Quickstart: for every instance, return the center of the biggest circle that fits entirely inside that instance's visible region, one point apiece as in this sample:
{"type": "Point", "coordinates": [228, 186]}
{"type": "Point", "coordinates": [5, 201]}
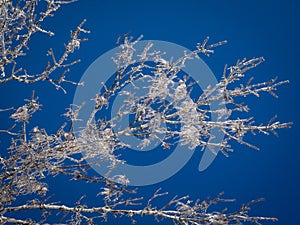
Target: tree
{"type": "Point", "coordinates": [35, 154]}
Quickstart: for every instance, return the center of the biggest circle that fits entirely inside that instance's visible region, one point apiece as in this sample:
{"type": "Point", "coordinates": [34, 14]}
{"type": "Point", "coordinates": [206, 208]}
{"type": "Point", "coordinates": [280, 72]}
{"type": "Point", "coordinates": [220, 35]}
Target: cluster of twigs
{"type": "Point", "coordinates": [34, 154]}
{"type": "Point", "coordinates": [19, 22]}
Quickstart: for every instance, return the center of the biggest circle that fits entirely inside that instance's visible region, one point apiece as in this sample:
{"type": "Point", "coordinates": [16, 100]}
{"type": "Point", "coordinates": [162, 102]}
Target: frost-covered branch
{"type": "Point", "coordinates": [179, 210]}
{"type": "Point", "coordinates": [19, 22]}
{"type": "Point", "coordinates": [168, 101]}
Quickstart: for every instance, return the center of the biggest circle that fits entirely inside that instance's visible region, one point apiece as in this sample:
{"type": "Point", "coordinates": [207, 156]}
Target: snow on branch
{"type": "Point", "coordinates": [19, 22]}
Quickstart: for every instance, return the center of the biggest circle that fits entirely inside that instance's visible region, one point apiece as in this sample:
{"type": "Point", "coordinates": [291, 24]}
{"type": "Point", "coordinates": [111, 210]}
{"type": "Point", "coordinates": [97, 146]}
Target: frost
{"type": "Point", "coordinates": [164, 111]}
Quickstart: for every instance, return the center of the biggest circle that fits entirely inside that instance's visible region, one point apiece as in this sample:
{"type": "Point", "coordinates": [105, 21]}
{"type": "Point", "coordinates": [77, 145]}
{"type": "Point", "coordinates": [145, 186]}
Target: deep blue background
{"type": "Point", "coordinates": [253, 28]}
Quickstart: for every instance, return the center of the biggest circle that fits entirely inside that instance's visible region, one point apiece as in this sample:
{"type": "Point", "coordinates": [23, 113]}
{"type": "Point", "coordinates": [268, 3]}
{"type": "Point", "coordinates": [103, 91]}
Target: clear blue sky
{"type": "Point", "coordinates": [252, 28]}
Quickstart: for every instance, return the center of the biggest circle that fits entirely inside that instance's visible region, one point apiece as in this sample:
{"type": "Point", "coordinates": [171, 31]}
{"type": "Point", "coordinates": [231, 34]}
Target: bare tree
{"type": "Point", "coordinates": [35, 154]}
